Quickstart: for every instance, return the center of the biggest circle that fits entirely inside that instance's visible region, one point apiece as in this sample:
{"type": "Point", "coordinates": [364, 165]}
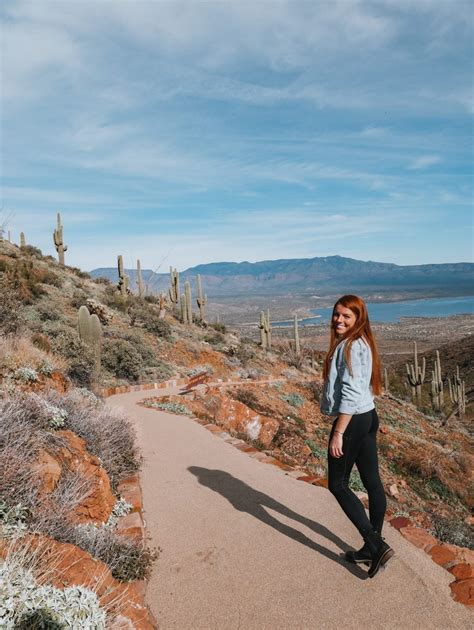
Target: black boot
{"type": "Point", "coordinates": [362, 556]}
{"type": "Point", "coordinates": [379, 550]}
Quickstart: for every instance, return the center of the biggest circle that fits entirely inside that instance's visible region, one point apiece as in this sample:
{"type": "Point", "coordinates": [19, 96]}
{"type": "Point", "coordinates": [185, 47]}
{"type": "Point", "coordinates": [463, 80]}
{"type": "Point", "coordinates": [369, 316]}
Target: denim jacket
{"type": "Point", "coordinates": [344, 392]}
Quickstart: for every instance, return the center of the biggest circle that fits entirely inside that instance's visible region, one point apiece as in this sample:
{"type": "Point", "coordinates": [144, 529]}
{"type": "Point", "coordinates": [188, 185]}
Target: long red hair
{"type": "Point", "coordinates": [360, 329]}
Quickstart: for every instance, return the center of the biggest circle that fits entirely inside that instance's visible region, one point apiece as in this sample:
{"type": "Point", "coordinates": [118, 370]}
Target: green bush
{"type": "Point", "coordinates": [122, 359]}
{"type": "Point", "coordinates": [157, 326]}
{"type": "Point", "coordinates": [219, 327]}
{"type": "Point", "coordinates": [452, 531]}
{"type": "Point", "coordinates": [293, 399]}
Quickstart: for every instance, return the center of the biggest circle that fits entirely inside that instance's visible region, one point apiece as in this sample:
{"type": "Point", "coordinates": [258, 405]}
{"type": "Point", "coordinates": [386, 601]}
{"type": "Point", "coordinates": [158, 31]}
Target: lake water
{"type": "Point", "coordinates": [392, 311]}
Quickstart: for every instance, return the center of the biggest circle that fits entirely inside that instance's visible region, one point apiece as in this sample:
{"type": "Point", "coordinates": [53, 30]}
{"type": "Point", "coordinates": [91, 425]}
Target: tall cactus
{"type": "Point", "coordinates": [163, 302]}
{"type": "Point", "coordinates": [58, 240]}
{"type": "Point", "coordinates": [386, 382]}
{"type": "Point", "coordinates": [437, 393]}
{"type": "Point", "coordinates": [184, 310]}
{"type": "Point", "coordinates": [122, 278]}
{"type": "Point", "coordinates": [457, 392]}
{"type": "Point", "coordinates": [22, 239]}
{"type": "Point", "coordinates": [141, 287]}
{"type": "Point", "coordinates": [201, 299]}
{"type": "Point", "coordinates": [264, 331]}
{"type": "Point", "coordinates": [416, 376]}
{"type": "Point", "coordinates": [90, 332]}
{"type": "Point", "coordinates": [297, 336]}
{"type": "Point", "coordinates": [174, 288]}
{"type": "Point", "coordinates": [189, 302]}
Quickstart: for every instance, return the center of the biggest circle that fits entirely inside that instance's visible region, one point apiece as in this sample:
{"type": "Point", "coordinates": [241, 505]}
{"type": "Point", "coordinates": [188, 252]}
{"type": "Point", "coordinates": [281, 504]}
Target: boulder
{"type": "Point", "coordinates": [99, 502]}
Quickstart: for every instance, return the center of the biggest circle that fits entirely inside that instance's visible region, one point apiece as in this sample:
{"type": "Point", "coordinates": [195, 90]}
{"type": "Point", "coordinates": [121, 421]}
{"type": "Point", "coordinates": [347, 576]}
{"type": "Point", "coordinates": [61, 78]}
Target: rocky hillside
{"type": "Point", "coordinates": [66, 335]}
{"type": "Point", "coordinates": [321, 276]}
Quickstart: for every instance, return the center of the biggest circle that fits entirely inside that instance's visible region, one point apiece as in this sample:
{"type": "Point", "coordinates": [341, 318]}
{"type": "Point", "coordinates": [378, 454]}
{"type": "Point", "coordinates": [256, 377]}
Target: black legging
{"type": "Point", "coordinates": [359, 446]}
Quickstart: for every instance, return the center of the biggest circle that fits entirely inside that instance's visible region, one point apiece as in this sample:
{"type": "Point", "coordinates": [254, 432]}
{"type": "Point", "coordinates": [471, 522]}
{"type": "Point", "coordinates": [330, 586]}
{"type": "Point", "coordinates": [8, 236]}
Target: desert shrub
{"type": "Point", "coordinates": [79, 298]}
{"type": "Point", "coordinates": [292, 357]}
{"type": "Point", "coordinates": [157, 326]}
{"type": "Point", "coordinates": [316, 450]}
{"type": "Point", "coordinates": [80, 356]}
{"type": "Point", "coordinates": [48, 311]}
{"type": "Point", "coordinates": [214, 339]}
{"type": "Point", "coordinates": [122, 359]}
{"type": "Point", "coordinates": [108, 435]}
{"type": "Point", "coordinates": [219, 327]}
{"type": "Point", "coordinates": [78, 272]}
{"type": "Point", "coordinates": [101, 280]}
{"type": "Point", "coordinates": [41, 341]}
{"type": "Point", "coordinates": [170, 406]}
{"type": "Point", "coordinates": [293, 399]}
{"type": "Point", "coordinates": [11, 319]}
{"type": "Point", "coordinates": [128, 559]}
{"type": "Point", "coordinates": [316, 390]}
{"type": "Point", "coordinates": [31, 605]}
{"type": "Point", "coordinates": [114, 299]}
{"type": "Point", "coordinates": [46, 276]}
{"type": "Point", "coordinates": [355, 482]}
{"type": "Point", "coordinates": [245, 352]}
{"type": "Point", "coordinates": [30, 250]}
{"type": "Point", "coordinates": [246, 396]}
{"type": "Point", "coordinates": [452, 531]}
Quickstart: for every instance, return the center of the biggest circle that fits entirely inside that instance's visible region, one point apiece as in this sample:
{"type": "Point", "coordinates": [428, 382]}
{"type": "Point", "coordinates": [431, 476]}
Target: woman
{"type": "Point", "coordinates": [352, 376]}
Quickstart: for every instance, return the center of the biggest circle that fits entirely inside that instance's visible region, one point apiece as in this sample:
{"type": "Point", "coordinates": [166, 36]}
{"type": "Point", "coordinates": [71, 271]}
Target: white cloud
{"type": "Point", "coordinates": [424, 161]}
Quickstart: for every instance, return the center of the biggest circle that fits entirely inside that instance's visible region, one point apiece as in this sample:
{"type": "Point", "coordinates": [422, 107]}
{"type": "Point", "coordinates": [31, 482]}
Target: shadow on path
{"type": "Point", "coordinates": [246, 499]}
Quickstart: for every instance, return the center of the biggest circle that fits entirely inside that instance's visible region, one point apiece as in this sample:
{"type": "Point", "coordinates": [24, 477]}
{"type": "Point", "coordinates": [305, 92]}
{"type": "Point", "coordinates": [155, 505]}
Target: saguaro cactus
{"type": "Point", "coordinates": [174, 289]}
{"type": "Point", "coordinates": [90, 332]}
{"type": "Point", "coordinates": [201, 299]}
{"type": "Point", "coordinates": [189, 302]}
{"type": "Point", "coordinates": [457, 392]}
{"type": "Point", "coordinates": [184, 310]}
{"type": "Point", "coordinates": [141, 288]}
{"type": "Point", "coordinates": [386, 382]}
{"type": "Point", "coordinates": [416, 376]}
{"type": "Point", "coordinates": [122, 278]}
{"type": "Point", "coordinates": [22, 239]}
{"type": "Point", "coordinates": [58, 240]}
{"type": "Point", "coordinates": [437, 393]}
{"type": "Point", "coordinates": [163, 301]}
{"type": "Point", "coordinates": [264, 326]}
{"type": "Point", "coordinates": [297, 336]}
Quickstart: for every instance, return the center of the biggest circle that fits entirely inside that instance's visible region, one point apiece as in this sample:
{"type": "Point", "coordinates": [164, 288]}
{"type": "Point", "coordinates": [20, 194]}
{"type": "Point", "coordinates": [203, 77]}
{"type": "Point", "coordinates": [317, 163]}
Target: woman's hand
{"type": "Point", "coordinates": [335, 445]}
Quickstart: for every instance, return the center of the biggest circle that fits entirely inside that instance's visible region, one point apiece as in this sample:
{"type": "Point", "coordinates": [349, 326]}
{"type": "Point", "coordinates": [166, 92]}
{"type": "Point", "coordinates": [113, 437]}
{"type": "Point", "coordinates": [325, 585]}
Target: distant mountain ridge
{"type": "Point", "coordinates": [321, 276]}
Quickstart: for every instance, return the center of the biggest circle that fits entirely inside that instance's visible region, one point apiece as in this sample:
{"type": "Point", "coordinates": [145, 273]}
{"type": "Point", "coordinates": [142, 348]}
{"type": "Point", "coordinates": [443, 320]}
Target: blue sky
{"type": "Point", "coordinates": [192, 132]}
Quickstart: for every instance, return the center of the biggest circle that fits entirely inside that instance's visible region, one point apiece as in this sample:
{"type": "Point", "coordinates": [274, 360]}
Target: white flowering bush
{"type": "Point", "coordinates": [12, 520]}
{"type": "Point", "coordinates": [26, 374]}
{"type": "Point", "coordinates": [21, 597]}
{"type": "Point", "coordinates": [171, 407]}
{"type": "Point", "coordinates": [200, 369]}
{"type": "Point", "coordinates": [45, 368]}
{"type": "Point", "coordinates": [54, 416]}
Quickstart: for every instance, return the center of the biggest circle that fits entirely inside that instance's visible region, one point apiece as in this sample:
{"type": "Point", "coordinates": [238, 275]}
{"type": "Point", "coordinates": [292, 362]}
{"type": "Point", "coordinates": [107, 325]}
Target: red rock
{"type": "Point", "coordinates": [463, 554]}
{"type": "Point", "coordinates": [400, 521]}
{"type": "Point", "coordinates": [462, 571]}
{"type": "Point", "coordinates": [393, 490]}
{"type": "Point", "coordinates": [100, 500]}
{"type": "Point", "coordinates": [463, 591]}
{"type": "Point", "coordinates": [49, 469]}
{"type": "Point", "coordinates": [132, 495]}
{"type": "Point", "coordinates": [132, 525]}
{"type": "Point", "coordinates": [383, 429]}
{"type": "Point", "coordinates": [442, 555]}
{"type": "Point", "coordinates": [419, 537]}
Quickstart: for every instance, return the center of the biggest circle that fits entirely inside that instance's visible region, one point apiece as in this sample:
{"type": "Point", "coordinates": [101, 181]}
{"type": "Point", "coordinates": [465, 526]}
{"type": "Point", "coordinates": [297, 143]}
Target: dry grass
{"type": "Point", "coordinates": [16, 352]}
{"type": "Point", "coordinates": [108, 434]}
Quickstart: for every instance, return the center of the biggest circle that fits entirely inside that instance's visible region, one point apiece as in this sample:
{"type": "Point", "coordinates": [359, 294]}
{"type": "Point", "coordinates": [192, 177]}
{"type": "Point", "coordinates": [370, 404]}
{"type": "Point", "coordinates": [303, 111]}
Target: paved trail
{"type": "Point", "coordinates": [245, 546]}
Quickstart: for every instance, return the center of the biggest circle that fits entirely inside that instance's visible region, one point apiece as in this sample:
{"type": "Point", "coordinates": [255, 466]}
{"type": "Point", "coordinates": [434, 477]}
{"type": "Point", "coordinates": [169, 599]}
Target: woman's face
{"type": "Point", "coordinates": [343, 320]}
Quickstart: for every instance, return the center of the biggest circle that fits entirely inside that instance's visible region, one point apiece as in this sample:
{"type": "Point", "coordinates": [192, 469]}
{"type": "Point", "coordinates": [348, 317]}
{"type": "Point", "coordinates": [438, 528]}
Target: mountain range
{"type": "Point", "coordinates": [311, 276]}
